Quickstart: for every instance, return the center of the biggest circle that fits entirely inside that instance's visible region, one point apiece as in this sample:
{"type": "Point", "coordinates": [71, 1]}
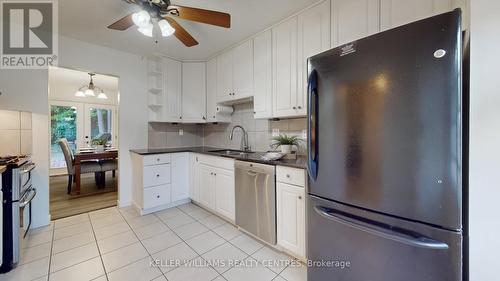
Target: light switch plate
{"type": "Point", "coordinates": [276, 132]}
{"type": "Point", "coordinates": [181, 132]}
{"type": "Point", "coordinates": [304, 134]}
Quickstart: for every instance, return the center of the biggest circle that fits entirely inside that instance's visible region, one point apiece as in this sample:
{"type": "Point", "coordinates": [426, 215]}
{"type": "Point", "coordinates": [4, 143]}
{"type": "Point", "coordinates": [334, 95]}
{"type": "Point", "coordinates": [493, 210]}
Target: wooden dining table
{"type": "Point", "coordinates": [90, 155]}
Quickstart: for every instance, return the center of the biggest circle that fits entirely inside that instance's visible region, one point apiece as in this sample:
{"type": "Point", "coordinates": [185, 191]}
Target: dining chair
{"type": "Point", "coordinates": [86, 167]}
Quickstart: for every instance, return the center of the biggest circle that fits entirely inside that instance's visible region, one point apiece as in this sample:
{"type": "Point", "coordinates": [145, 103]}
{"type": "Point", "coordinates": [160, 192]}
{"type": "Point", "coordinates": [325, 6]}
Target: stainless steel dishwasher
{"type": "Point", "coordinates": [256, 199]}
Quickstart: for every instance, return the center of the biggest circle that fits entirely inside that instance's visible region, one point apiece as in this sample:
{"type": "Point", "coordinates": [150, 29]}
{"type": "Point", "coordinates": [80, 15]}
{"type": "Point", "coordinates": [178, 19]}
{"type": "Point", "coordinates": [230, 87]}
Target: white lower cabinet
{"type": "Point", "coordinates": [206, 188]}
{"type": "Point", "coordinates": [225, 193]}
{"type": "Point", "coordinates": [214, 185]}
{"type": "Point", "coordinates": [160, 181]}
{"type": "Point", "coordinates": [290, 210]}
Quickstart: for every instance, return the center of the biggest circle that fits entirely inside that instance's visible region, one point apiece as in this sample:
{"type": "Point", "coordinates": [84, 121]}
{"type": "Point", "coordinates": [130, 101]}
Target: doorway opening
{"type": "Point", "coordinates": [83, 141]}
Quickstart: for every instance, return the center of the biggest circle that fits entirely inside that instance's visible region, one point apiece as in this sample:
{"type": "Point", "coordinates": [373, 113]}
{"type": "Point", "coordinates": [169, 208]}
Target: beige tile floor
{"type": "Point", "coordinates": [186, 243]}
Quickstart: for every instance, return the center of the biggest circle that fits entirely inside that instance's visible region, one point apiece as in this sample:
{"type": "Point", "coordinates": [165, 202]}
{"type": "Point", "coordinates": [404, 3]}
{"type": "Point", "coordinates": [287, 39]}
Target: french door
{"type": "Point", "coordinates": [80, 123]}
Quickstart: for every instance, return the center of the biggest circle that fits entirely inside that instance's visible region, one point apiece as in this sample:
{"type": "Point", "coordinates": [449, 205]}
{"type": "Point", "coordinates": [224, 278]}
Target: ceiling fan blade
{"type": "Point", "coordinates": [200, 15]}
{"type": "Point", "coordinates": [182, 34]}
{"type": "Point", "coordinates": [122, 24]}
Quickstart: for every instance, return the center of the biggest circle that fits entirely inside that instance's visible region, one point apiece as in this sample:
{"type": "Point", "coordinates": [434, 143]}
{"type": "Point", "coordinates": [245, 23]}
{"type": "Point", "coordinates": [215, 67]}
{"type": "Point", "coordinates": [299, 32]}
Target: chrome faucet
{"type": "Point", "coordinates": [244, 141]}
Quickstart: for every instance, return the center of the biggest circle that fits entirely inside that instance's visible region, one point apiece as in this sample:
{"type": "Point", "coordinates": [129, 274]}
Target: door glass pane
{"type": "Point", "coordinates": [62, 125]}
{"type": "Point", "coordinates": [101, 124]}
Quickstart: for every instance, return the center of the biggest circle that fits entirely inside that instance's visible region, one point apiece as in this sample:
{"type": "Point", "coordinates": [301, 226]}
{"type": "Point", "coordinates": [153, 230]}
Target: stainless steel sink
{"type": "Point", "coordinates": [231, 152]}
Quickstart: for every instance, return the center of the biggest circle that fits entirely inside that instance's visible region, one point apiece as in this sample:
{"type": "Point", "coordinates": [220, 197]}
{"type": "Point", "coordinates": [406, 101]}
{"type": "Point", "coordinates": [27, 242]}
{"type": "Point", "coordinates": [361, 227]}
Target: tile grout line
{"type": "Point", "coordinates": [149, 254]}
{"type": "Point", "coordinates": [98, 249]}
{"type": "Point", "coordinates": [227, 241]}
{"type": "Point", "coordinates": [218, 274]}
{"type": "Point", "coordinates": [51, 248]}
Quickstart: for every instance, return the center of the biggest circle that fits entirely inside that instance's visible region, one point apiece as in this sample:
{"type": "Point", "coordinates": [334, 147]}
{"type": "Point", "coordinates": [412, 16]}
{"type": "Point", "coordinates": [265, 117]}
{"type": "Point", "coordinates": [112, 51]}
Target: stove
{"type": "Point", "coordinates": [13, 161]}
{"type": "Point", "coordinates": [18, 193]}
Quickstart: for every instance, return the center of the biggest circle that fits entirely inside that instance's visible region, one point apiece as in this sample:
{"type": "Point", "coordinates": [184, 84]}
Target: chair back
{"type": "Point", "coordinates": [68, 154]}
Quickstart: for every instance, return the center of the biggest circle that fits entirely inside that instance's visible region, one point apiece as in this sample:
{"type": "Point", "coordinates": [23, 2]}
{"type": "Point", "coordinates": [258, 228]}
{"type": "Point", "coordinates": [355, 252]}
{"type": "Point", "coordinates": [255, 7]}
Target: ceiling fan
{"type": "Point", "coordinates": [164, 13]}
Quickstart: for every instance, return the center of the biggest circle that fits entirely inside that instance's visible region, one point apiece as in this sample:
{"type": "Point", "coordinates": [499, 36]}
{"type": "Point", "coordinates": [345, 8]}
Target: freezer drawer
{"type": "Point", "coordinates": [370, 246]}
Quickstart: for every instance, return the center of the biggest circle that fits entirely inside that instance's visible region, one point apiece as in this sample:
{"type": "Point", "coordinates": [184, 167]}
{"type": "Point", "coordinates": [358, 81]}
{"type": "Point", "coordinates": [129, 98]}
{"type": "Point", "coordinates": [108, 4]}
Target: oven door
{"type": "Point", "coordinates": [25, 178]}
{"type": "Point", "coordinates": [24, 202]}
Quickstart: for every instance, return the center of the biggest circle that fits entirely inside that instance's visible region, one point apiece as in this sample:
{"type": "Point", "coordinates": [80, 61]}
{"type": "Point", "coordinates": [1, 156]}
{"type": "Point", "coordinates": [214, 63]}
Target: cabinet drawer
{"type": "Point", "coordinates": [156, 159]}
{"type": "Point", "coordinates": [291, 175]}
{"type": "Point", "coordinates": [156, 175]}
{"type": "Point", "coordinates": [214, 161]}
{"type": "Point", "coordinates": [156, 196]}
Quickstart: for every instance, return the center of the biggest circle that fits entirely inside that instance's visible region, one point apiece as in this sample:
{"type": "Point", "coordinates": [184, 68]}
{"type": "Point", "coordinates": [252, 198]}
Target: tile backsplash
{"type": "Point", "coordinates": [15, 133]}
{"type": "Point", "coordinates": [217, 135]}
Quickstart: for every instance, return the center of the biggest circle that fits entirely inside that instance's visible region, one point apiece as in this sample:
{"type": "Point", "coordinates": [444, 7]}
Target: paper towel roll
{"type": "Point", "coordinates": [221, 109]}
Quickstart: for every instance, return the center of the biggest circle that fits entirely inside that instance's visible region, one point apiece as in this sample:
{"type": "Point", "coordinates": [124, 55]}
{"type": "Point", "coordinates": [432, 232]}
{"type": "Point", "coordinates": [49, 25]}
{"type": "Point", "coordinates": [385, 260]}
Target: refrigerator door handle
{"type": "Point", "coordinates": [385, 232]}
{"type": "Point", "coordinates": [312, 133]}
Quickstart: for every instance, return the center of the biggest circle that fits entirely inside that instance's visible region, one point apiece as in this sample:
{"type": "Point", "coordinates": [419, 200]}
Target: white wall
{"type": "Point", "coordinates": [484, 194]}
{"type": "Point", "coordinates": [28, 90]}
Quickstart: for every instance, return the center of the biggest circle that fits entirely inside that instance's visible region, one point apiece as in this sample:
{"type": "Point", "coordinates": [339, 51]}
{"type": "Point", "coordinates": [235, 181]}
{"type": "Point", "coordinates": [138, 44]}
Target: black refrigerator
{"type": "Point", "coordinates": [385, 156]}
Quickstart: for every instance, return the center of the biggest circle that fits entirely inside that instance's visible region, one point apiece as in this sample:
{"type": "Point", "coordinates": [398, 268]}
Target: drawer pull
{"type": "Point", "coordinates": [158, 196]}
{"type": "Point", "coordinates": [157, 159]}
{"type": "Point", "coordinates": [157, 176]}
{"type": "Point", "coordinates": [288, 176]}
{"type": "Point", "coordinates": [300, 197]}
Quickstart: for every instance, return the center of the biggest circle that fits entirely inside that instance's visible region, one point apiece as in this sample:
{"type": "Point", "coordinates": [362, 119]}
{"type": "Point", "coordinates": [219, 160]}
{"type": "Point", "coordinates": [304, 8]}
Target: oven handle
{"type": "Point", "coordinates": [28, 169]}
{"type": "Point", "coordinates": [25, 202]}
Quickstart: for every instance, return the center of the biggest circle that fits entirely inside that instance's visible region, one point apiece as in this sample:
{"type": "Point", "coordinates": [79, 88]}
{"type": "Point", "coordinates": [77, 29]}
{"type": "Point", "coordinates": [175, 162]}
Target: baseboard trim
{"type": "Point", "coordinates": [161, 207]}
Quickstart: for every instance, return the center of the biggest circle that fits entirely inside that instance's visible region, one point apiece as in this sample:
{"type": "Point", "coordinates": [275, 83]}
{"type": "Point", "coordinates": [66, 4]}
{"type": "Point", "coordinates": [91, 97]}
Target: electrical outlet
{"type": "Point", "coordinates": [304, 134]}
{"type": "Point", "coordinates": [276, 132]}
{"type": "Point", "coordinates": [181, 132]}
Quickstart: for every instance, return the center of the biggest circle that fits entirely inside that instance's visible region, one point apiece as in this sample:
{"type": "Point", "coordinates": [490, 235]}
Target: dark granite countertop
{"type": "Point", "coordinates": [300, 162]}
{"type": "Point", "coordinates": [2, 169]}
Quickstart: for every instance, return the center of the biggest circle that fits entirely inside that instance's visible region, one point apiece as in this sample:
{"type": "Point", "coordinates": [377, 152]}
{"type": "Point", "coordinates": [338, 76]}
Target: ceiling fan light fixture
{"type": "Point", "coordinates": [142, 19]}
{"type": "Point", "coordinates": [147, 30]}
{"type": "Point", "coordinates": [165, 28]}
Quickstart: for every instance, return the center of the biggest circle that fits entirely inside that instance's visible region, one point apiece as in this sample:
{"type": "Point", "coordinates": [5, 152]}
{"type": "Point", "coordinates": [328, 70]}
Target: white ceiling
{"type": "Point", "coordinates": [87, 21]}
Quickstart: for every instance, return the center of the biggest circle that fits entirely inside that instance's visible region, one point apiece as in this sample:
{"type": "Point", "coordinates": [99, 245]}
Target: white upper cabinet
{"type": "Point", "coordinates": [285, 69]}
{"type": "Point", "coordinates": [243, 71]}
{"type": "Point", "coordinates": [225, 76]}
{"type": "Point", "coordinates": [172, 79]}
{"type": "Point", "coordinates": [263, 76]}
{"type": "Point", "coordinates": [194, 92]}
{"type": "Point", "coordinates": [394, 13]}
{"type": "Point", "coordinates": [354, 19]}
{"type": "Point", "coordinates": [212, 115]}
{"type": "Point", "coordinates": [235, 73]}
{"type": "Point", "coordinates": [313, 38]}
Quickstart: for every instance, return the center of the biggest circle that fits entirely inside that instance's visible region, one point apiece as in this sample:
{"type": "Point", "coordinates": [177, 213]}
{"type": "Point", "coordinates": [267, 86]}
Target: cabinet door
{"type": "Point", "coordinates": [243, 71]}
{"type": "Point", "coordinates": [212, 90]}
{"type": "Point", "coordinates": [285, 68]}
{"type": "Point", "coordinates": [206, 188]}
{"type": "Point", "coordinates": [290, 209]}
{"type": "Point", "coordinates": [224, 193]}
{"type": "Point", "coordinates": [194, 192]}
{"type": "Point", "coordinates": [354, 19]}
{"type": "Point", "coordinates": [313, 38]}
{"type": "Point", "coordinates": [180, 176]}
{"type": "Point", "coordinates": [225, 76]}
{"type": "Point", "coordinates": [172, 77]}
{"type": "Point", "coordinates": [263, 76]}
{"type": "Point", "coordinates": [399, 12]}
{"type": "Point", "coordinates": [194, 92]}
